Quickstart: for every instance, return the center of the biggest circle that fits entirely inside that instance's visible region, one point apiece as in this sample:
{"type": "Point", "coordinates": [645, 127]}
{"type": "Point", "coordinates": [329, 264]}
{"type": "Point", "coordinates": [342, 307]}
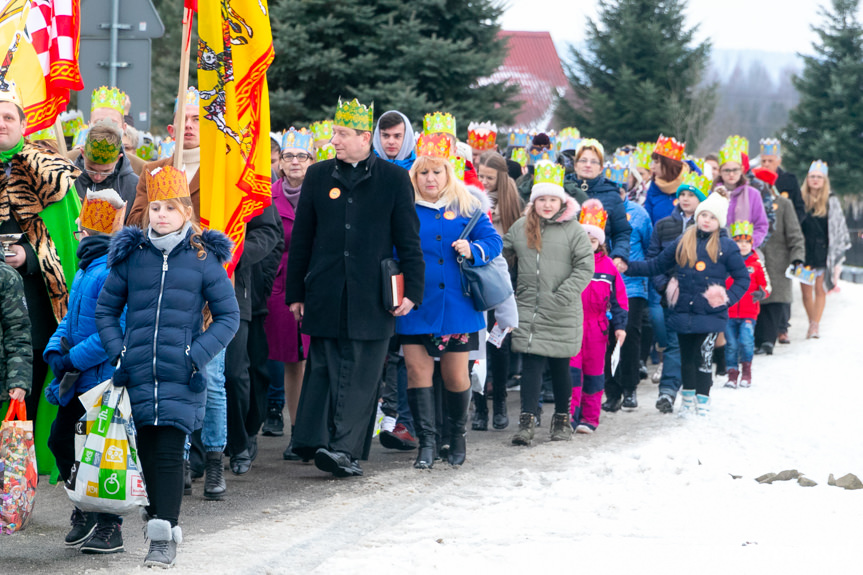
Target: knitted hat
{"type": "Point", "coordinates": [548, 181]}
{"type": "Point", "coordinates": [593, 218]}
{"type": "Point", "coordinates": [716, 204]}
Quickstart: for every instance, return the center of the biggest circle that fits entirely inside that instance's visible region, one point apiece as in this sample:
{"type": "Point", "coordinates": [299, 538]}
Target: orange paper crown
{"type": "Point", "coordinates": [100, 215]}
{"type": "Point", "coordinates": [166, 183]}
{"type": "Point", "coordinates": [670, 148]}
{"type": "Point", "coordinates": [592, 214]}
{"type": "Point", "coordinates": [482, 136]}
{"type": "Point", "coordinates": [437, 145]}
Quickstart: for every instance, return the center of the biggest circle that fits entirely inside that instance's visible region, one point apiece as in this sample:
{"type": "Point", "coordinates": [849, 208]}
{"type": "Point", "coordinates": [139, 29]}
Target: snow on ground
{"type": "Point", "coordinates": [647, 493]}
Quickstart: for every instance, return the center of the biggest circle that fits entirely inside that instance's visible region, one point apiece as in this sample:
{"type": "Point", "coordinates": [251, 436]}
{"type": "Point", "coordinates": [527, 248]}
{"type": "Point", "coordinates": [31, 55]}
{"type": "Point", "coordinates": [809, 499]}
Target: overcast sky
{"type": "Point", "coordinates": [770, 25]}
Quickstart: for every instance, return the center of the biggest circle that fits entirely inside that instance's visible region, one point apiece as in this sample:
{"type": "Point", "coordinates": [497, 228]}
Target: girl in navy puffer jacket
{"type": "Point", "coordinates": [704, 257]}
{"type": "Point", "coordinates": [164, 276]}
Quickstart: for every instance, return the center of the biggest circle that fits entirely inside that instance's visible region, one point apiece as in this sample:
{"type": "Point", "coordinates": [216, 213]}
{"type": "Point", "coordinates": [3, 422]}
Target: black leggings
{"type": "Point", "coordinates": [696, 361]}
{"type": "Point", "coordinates": [160, 449]}
{"type": "Point", "coordinates": [531, 382]}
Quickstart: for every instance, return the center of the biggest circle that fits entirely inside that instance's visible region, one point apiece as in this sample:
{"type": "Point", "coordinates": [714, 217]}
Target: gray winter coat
{"type": "Point", "coordinates": [550, 283]}
{"type": "Point", "coordinates": [785, 245]}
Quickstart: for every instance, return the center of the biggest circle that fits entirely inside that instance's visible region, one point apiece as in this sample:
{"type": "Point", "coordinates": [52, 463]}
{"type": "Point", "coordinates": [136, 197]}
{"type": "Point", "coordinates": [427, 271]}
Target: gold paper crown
{"type": "Point", "coordinates": [437, 145]}
{"type": "Point", "coordinates": [591, 143]}
{"type": "Point", "coordinates": [733, 150]}
{"type": "Point", "coordinates": [519, 155]}
{"type": "Point", "coordinates": [322, 130]}
{"type": "Point", "coordinates": [482, 136]}
{"type": "Point", "coordinates": [166, 183]}
{"type": "Point", "coordinates": [592, 214]}
{"type": "Point", "coordinates": [742, 229]}
{"type": "Point", "coordinates": [670, 148]}
{"type": "Point", "coordinates": [355, 116]}
{"type": "Point", "coordinates": [325, 152]}
{"type": "Point", "coordinates": [105, 97]}
{"type": "Point", "coordinates": [101, 151]}
{"type": "Point", "coordinates": [12, 94]}
{"type": "Point", "coordinates": [458, 166]}
{"type": "Point", "coordinates": [548, 173]}
{"type": "Point", "coordinates": [439, 123]}
{"type": "Point", "coordinates": [100, 215]}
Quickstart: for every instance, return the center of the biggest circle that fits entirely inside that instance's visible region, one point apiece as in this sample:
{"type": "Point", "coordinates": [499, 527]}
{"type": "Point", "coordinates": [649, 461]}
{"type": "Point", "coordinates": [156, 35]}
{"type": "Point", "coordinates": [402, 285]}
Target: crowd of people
{"type": "Point", "coordinates": [606, 260]}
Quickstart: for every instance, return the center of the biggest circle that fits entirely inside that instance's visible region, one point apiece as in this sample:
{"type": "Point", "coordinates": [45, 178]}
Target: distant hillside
{"type": "Point", "coordinates": [725, 61]}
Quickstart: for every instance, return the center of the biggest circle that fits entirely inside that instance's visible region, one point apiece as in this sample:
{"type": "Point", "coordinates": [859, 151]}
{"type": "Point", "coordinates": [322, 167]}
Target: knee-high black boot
{"type": "Point", "coordinates": [457, 403]}
{"type": "Point", "coordinates": [421, 402]}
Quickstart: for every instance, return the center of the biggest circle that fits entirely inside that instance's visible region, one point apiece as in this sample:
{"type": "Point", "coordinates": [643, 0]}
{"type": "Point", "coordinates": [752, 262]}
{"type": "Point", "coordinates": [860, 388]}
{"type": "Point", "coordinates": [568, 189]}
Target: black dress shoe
{"type": "Point", "coordinates": [630, 401]}
{"type": "Point", "coordinates": [241, 463]}
{"type": "Point", "coordinates": [612, 405]}
{"type": "Point", "coordinates": [337, 463]}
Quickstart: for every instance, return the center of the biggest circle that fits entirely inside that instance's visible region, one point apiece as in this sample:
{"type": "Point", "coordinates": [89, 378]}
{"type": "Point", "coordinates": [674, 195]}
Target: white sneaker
{"type": "Point", "coordinates": [657, 375]}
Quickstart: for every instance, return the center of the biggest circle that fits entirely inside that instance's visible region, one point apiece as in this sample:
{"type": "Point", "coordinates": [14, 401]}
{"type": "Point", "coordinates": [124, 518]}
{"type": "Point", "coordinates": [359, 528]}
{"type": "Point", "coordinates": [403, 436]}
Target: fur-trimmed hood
{"type": "Point", "coordinates": [570, 210]}
{"type": "Point", "coordinates": [481, 195]}
{"type": "Point", "coordinates": [130, 237]}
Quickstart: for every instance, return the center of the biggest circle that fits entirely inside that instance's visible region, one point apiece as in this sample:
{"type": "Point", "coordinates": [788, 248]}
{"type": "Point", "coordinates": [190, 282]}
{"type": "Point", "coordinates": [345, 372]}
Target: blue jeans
{"type": "Point", "coordinates": [740, 338]}
{"type": "Point", "coordinates": [214, 434]}
{"type": "Point", "coordinates": [670, 382]}
{"type": "Point", "coordinates": [276, 390]}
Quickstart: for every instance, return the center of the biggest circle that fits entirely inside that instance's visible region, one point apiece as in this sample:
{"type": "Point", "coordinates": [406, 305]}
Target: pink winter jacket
{"type": "Point", "coordinates": [605, 292]}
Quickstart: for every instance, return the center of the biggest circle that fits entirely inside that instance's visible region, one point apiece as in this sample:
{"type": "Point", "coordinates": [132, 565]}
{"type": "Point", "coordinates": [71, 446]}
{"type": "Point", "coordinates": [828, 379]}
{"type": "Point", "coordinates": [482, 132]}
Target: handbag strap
{"type": "Point", "coordinates": [17, 410]}
{"type": "Point", "coordinates": [470, 225]}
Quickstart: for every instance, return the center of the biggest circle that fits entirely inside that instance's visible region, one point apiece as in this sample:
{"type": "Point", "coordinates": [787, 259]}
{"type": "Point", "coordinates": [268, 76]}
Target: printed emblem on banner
{"type": "Point", "coordinates": [335, 193]}
{"type": "Point", "coordinates": [449, 215]}
{"type": "Point", "coordinates": [700, 266]}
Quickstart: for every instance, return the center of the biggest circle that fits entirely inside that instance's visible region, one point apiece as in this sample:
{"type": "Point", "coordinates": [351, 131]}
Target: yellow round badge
{"type": "Point", "coordinates": [775, 206]}
{"type": "Point", "coordinates": [700, 266]}
{"type": "Point", "coordinates": [449, 215]}
{"type": "Point", "coordinates": [784, 194]}
{"type": "Point", "coordinates": [674, 203]}
{"type": "Point", "coordinates": [335, 193]}
{"type": "Point", "coordinates": [628, 217]}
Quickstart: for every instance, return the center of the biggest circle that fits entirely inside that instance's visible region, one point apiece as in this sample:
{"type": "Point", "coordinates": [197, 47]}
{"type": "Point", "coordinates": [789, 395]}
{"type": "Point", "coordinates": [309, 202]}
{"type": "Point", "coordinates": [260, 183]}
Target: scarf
{"type": "Point", "coordinates": [5, 156]}
{"type": "Point", "coordinates": [669, 188]}
{"type": "Point", "coordinates": [741, 205]}
{"type": "Point", "coordinates": [166, 243]}
{"type": "Point", "coordinates": [292, 194]}
{"type": "Point", "coordinates": [407, 149]}
{"type": "Point", "coordinates": [92, 248]}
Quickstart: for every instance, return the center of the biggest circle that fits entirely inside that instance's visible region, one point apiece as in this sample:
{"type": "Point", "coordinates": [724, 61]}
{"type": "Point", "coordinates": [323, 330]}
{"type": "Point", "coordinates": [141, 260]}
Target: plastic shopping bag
{"type": "Point", "coordinates": [106, 477]}
{"type": "Point", "coordinates": [18, 475]}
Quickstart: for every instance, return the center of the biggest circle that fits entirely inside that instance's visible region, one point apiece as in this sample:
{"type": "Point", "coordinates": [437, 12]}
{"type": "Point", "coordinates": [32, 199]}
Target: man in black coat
{"type": "Point", "coordinates": [353, 211]}
{"type": "Point", "coordinates": [786, 182]}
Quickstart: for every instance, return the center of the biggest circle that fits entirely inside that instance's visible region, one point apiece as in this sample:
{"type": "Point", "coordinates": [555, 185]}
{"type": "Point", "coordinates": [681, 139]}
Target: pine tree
{"type": "Point", "coordinates": [827, 124]}
{"type": "Point", "coordinates": [639, 75]}
{"type": "Point", "coordinates": [416, 57]}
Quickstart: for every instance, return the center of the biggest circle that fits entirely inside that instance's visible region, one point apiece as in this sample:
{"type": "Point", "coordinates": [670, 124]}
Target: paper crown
{"type": "Point", "coordinates": [540, 156]}
{"type": "Point", "coordinates": [519, 155]}
{"type": "Point", "coordinates": [46, 134]}
{"type": "Point", "coordinates": [105, 97]}
{"type": "Point", "coordinates": [568, 139]}
{"type": "Point", "coordinates": [733, 150]}
{"type": "Point", "coordinates": [742, 229]}
{"type": "Point", "coordinates": [166, 183]}
{"type": "Point", "coordinates": [641, 157]}
{"type": "Point", "coordinates": [622, 156]}
{"type": "Point", "coordinates": [548, 173]}
{"type": "Point", "coordinates": [590, 143]}
{"type": "Point", "coordinates": [99, 211]}
{"type": "Point", "coordinates": [770, 147]}
{"type": "Point", "coordinates": [738, 142]}
{"type": "Point", "coordinates": [518, 138]}
{"type": "Point", "coordinates": [437, 145]}
{"type": "Point", "coordinates": [166, 147]}
{"type": "Point", "coordinates": [819, 166]}
{"type": "Point", "coordinates": [193, 98]}
{"type": "Point", "coordinates": [439, 123]}
{"type": "Point", "coordinates": [325, 152]}
{"type": "Point", "coordinates": [11, 93]}
{"type": "Point", "coordinates": [697, 184]}
{"type": "Point", "coordinates": [301, 139]}
{"type": "Point", "coordinates": [322, 130]}
{"type": "Point", "coordinates": [101, 151]}
{"type": "Point", "coordinates": [71, 122]}
{"type": "Point", "coordinates": [482, 136]}
{"type": "Point", "coordinates": [80, 137]}
{"type": "Point", "coordinates": [355, 116]}
{"type": "Point", "coordinates": [617, 171]}
{"type": "Point", "coordinates": [458, 166]}
{"type": "Point", "coordinates": [670, 148]}
{"type": "Point", "coordinates": [147, 151]}
{"type": "Point", "coordinates": [699, 162]}
{"type": "Point", "coordinates": [592, 214]}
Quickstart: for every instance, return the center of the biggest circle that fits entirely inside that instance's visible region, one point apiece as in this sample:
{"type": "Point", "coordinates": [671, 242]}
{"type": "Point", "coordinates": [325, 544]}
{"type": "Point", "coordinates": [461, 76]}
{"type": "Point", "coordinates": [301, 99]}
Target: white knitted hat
{"type": "Point", "coordinates": [716, 204]}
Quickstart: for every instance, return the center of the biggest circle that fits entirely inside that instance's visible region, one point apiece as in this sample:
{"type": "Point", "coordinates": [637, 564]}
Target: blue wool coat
{"type": "Point", "coordinates": [617, 228]}
{"type": "Point", "coordinates": [692, 313]}
{"type": "Point", "coordinates": [445, 309]}
{"type": "Point", "coordinates": [163, 345]}
{"type": "Point", "coordinates": [79, 328]}
{"type": "Point", "coordinates": [639, 241]}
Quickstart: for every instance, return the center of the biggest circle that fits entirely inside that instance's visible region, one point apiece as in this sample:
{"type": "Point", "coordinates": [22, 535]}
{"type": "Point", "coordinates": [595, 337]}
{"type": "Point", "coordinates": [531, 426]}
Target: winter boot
{"type": "Point", "coordinates": [733, 374]}
{"type": "Point", "coordinates": [561, 428]}
{"type": "Point", "coordinates": [703, 405]}
{"type": "Point", "coordinates": [421, 401]}
{"type": "Point", "coordinates": [83, 525]}
{"type": "Point", "coordinates": [500, 420]}
{"type": "Point", "coordinates": [163, 543]}
{"type": "Point", "coordinates": [642, 370]}
{"type": "Point", "coordinates": [289, 454]}
{"type": "Point", "coordinates": [746, 374]}
{"type": "Point", "coordinates": [107, 538]}
{"type": "Point", "coordinates": [687, 403]}
{"type": "Point", "coordinates": [187, 478]}
{"type": "Point", "coordinates": [612, 405]}
{"type": "Point", "coordinates": [457, 403]}
{"type": "Point", "coordinates": [526, 425]}
{"type": "Point", "coordinates": [665, 403]}
{"type": "Point", "coordinates": [480, 414]}
{"type": "Point", "coordinates": [274, 426]}
{"type": "Point", "coordinates": [719, 360]}
{"type": "Point", "coordinates": [214, 484]}
{"type": "Point", "coordinates": [630, 402]}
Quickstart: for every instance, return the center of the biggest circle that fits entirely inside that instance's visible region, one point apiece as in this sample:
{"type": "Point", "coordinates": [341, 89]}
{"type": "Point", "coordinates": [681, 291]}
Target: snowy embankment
{"type": "Point", "coordinates": [646, 494]}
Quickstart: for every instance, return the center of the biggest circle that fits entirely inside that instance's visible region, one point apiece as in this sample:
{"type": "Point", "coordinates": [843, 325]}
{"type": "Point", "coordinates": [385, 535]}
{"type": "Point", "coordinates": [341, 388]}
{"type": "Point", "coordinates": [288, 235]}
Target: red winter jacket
{"type": "Point", "coordinates": [746, 308]}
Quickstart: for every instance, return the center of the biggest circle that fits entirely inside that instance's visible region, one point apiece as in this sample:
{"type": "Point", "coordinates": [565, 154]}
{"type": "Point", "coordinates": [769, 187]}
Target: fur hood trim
{"type": "Point", "coordinates": [570, 210]}
{"type": "Point", "coordinates": [130, 237]}
{"type": "Point", "coordinates": [219, 244]}
{"type": "Point", "coordinates": [479, 193]}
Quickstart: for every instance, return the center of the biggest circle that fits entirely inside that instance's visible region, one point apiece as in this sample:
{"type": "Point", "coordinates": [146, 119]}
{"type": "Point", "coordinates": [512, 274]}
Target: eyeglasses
{"type": "Point", "coordinates": [79, 235]}
{"type": "Point", "coordinates": [586, 162]}
{"type": "Point", "coordinates": [98, 173]}
{"type": "Point", "coordinates": [302, 156]}
{"type": "Point", "coordinates": [730, 171]}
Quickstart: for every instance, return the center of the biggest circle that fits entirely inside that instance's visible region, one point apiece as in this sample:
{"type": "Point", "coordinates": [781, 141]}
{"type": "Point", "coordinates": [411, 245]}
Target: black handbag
{"type": "Point", "coordinates": [485, 285]}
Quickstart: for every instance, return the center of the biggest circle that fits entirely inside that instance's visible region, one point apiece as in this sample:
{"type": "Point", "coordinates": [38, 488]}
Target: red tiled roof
{"type": "Point", "coordinates": [533, 63]}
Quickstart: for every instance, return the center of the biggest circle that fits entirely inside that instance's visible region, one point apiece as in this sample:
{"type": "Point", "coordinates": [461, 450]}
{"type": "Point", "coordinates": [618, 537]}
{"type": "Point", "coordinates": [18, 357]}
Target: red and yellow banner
{"type": "Point", "coordinates": [235, 48]}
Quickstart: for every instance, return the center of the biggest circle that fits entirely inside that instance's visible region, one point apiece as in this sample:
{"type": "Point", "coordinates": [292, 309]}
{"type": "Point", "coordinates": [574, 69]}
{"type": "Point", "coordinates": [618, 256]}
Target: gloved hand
{"type": "Point", "coordinates": [54, 359]}
{"type": "Point", "coordinates": [758, 295]}
{"type": "Point", "coordinates": [51, 395]}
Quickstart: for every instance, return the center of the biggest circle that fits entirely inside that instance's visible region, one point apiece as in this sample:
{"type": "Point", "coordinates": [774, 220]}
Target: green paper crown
{"type": "Point", "coordinates": [698, 185]}
{"type": "Point", "coordinates": [101, 151]}
{"type": "Point", "coordinates": [439, 123]}
{"type": "Point", "coordinates": [519, 155]}
{"type": "Point", "coordinates": [733, 150]}
{"type": "Point", "coordinates": [738, 142]}
{"type": "Point", "coordinates": [71, 122]}
{"type": "Point", "coordinates": [105, 97]}
{"type": "Point", "coordinates": [355, 116]}
{"type": "Point", "coordinates": [325, 152]}
{"type": "Point", "coordinates": [322, 130]}
{"type": "Point", "coordinates": [742, 229]}
{"type": "Point", "coordinates": [458, 166]}
{"type": "Point", "coordinates": [548, 173]}
{"type": "Point", "coordinates": [46, 134]}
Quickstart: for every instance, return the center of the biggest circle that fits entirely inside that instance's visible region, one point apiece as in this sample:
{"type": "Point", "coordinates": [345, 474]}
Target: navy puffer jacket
{"type": "Point", "coordinates": [692, 313]}
{"type": "Point", "coordinates": [163, 345]}
{"type": "Point", "coordinates": [617, 228]}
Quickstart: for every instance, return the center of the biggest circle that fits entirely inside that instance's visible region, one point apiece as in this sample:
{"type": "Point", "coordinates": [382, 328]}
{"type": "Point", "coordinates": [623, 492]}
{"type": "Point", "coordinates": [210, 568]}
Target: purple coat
{"type": "Point", "coordinates": [280, 326]}
{"type": "Point", "coordinates": [754, 212]}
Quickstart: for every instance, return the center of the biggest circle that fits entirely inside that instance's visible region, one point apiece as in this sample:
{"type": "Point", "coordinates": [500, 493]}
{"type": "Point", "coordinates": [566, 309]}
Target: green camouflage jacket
{"type": "Point", "coordinates": [16, 354]}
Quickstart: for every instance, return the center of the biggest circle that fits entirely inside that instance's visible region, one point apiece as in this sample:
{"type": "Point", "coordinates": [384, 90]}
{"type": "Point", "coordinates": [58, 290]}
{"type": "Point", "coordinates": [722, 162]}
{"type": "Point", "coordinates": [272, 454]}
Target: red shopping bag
{"type": "Point", "coordinates": [18, 475]}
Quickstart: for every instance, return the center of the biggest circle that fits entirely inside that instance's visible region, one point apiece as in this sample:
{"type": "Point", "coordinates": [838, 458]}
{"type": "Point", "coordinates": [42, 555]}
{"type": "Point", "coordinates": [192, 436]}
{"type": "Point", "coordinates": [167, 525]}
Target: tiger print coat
{"type": "Point", "coordinates": [34, 179]}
